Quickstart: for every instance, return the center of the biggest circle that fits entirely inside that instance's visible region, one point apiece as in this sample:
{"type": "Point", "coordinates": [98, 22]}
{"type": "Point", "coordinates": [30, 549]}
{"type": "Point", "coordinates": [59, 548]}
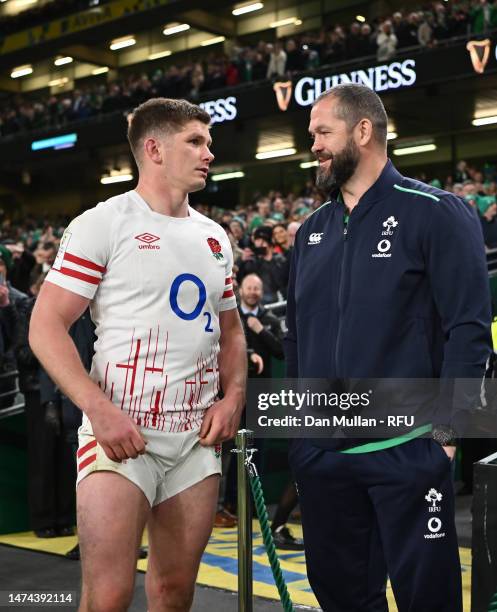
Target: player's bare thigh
{"type": "Point", "coordinates": [178, 532]}
{"type": "Point", "coordinates": [112, 513]}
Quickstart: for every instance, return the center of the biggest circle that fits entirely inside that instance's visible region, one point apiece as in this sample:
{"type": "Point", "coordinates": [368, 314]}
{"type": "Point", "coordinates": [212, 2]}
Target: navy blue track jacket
{"type": "Point", "coordinates": [402, 291]}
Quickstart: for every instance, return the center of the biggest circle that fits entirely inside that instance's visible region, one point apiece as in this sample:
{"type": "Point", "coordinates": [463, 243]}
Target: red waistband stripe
{"type": "Point", "coordinates": [84, 449]}
{"type": "Point", "coordinates": [86, 462]}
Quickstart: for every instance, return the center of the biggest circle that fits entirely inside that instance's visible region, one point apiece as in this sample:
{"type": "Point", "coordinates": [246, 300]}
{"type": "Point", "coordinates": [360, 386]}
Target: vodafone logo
{"type": "Point", "coordinates": [434, 525]}
{"type": "Point", "coordinates": [383, 249]}
{"type": "Point", "coordinates": [148, 239]}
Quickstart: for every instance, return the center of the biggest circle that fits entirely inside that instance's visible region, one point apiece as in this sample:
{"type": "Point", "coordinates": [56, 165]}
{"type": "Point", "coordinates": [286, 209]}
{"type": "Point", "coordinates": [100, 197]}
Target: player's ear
{"type": "Point", "coordinates": [152, 150]}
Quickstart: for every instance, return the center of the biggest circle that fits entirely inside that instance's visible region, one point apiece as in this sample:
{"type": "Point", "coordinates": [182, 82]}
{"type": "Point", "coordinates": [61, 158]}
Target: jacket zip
{"type": "Point", "coordinates": [340, 294]}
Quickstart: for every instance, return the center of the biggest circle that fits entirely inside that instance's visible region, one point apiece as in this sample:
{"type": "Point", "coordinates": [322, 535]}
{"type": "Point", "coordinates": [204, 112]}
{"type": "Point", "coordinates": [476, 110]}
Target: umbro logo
{"type": "Point", "coordinates": [315, 238]}
{"type": "Point", "coordinates": [148, 239]}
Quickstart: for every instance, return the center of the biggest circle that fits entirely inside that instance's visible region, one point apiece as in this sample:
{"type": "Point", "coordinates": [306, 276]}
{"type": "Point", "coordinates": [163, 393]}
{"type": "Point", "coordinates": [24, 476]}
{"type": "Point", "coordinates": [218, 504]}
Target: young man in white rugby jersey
{"type": "Point", "coordinates": [157, 276]}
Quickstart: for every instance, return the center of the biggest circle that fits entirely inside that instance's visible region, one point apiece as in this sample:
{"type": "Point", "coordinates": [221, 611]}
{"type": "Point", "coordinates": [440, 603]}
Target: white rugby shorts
{"type": "Point", "coordinates": [172, 462]}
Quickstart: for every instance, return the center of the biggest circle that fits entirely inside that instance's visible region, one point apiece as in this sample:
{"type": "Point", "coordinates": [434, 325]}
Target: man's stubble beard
{"type": "Point", "coordinates": [342, 168]}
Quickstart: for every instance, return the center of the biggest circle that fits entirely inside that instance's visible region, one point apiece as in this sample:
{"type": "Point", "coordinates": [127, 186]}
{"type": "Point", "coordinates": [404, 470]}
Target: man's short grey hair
{"type": "Point", "coordinates": [356, 102]}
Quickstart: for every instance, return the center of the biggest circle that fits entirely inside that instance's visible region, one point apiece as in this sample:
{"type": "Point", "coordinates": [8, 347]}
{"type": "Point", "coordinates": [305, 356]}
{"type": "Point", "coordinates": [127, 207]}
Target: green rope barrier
{"type": "Point", "coordinates": [267, 536]}
{"type": "Point", "coordinates": [493, 603]}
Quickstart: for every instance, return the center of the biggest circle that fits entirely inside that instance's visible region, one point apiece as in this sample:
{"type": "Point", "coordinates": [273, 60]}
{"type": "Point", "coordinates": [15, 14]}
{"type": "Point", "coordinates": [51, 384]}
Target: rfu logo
{"type": "Point", "coordinates": [315, 238]}
{"type": "Point", "coordinates": [433, 496]}
{"type": "Point", "coordinates": [389, 224]}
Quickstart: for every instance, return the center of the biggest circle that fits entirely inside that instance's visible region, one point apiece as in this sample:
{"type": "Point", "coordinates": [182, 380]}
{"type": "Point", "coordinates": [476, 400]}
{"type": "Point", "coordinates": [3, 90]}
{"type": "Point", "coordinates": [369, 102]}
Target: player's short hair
{"type": "Point", "coordinates": [356, 102]}
{"type": "Point", "coordinates": [161, 115]}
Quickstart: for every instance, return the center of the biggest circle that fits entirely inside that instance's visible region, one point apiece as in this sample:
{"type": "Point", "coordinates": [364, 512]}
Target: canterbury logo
{"type": "Point", "coordinates": [283, 93]}
{"type": "Point", "coordinates": [479, 52]}
{"type": "Point", "coordinates": [148, 240]}
{"type": "Point", "coordinates": [315, 238]}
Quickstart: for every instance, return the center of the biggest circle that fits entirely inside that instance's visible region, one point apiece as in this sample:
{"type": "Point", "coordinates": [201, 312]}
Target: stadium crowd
{"type": "Point", "coordinates": [428, 27]}
{"type": "Point", "coordinates": [274, 217]}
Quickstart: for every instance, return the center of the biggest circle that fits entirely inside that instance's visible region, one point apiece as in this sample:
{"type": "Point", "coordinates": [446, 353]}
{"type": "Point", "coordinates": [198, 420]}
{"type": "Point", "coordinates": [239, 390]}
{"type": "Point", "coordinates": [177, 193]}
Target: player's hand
{"type": "Point", "coordinates": [255, 325]}
{"type": "Point", "coordinates": [450, 451]}
{"type": "Point", "coordinates": [221, 422]}
{"type": "Point", "coordinates": [117, 434]}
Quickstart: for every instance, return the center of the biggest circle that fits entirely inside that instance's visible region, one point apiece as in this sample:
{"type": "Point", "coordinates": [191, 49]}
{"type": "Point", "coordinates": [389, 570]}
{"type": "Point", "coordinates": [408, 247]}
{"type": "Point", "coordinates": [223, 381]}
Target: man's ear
{"type": "Point", "coordinates": [364, 132]}
{"type": "Point", "coordinates": [152, 150]}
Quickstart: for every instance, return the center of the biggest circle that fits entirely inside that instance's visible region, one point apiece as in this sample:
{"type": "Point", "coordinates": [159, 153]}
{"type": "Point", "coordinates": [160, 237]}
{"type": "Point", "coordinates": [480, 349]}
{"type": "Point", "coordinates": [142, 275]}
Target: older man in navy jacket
{"type": "Point", "coordinates": [388, 280]}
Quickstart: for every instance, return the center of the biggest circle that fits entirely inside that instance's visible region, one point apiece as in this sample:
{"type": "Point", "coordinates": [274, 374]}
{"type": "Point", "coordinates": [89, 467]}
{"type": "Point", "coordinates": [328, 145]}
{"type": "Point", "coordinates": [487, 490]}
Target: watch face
{"type": "Point", "coordinates": [445, 436]}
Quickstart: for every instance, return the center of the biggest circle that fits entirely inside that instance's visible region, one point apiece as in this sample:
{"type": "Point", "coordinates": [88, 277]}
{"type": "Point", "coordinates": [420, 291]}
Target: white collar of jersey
{"type": "Point", "coordinates": [143, 204]}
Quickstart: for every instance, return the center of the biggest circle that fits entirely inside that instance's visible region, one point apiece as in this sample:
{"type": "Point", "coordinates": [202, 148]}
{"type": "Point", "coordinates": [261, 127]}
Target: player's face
{"type": "Point", "coordinates": [334, 146]}
{"type": "Point", "coordinates": [188, 157]}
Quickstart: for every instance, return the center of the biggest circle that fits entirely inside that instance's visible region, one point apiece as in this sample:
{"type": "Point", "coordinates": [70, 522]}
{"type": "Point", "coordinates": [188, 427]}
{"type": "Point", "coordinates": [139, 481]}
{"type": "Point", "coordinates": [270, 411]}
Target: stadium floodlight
{"type": "Point", "coordinates": [360, 18]}
{"type": "Point", "coordinates": [212, 41]}
{"type": "Point", "coordinates": [247, 8]}
{"type": "Point", "coordinates": [101, 70]}
{"type": "Point", "coordinates": [116, 176]}
{"type": "Point", "coordinates": [275, 153]}
{"type": "Point", "coordinates": [391, 135]}
{"type": "Point", "coordinates": [484, 120]}
{"type": "Point", "coordinates": [121, 43]}
{"type": "Point", "coordinates": [60, 61]}
{"type": "Point", "coordinates": [284, 22]}
{"type": "Point", "coordinates": [159, 54]}
{"type": "Point", "coordinates": [175, 28]}
{"type": "Point", "coordinates": [421, 148]}
{"type": "Point", "coordinates": [56, 142]}
{"type": "Point", "coordinates": [309, 164]}
{"type": "Point", "coordinates": [226, 176]}
{"type": "Point", "coordinates": [21, 71]}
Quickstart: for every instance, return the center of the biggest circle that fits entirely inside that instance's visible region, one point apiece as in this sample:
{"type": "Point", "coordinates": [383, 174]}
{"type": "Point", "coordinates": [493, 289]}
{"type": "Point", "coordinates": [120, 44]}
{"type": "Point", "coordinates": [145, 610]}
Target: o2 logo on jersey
{"type": "Point", "coordinates": [202, 298]}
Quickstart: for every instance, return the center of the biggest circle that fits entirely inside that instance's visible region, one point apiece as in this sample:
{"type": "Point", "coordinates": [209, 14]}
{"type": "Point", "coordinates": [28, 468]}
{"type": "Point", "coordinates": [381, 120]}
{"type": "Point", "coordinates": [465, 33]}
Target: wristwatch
{"type": "Point", "coordinates": [444, 435]}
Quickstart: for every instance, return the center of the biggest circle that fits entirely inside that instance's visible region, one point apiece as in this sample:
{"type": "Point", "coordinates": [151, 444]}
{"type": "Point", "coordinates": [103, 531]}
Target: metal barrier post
{"type": "Point", "coordinates": [244, 440]}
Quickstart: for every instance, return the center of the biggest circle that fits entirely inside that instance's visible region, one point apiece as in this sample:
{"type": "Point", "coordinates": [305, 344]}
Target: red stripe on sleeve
{"type": "Point", "coordinates": [86, 462]}
{"type": "Point", "coordinates": [228, 294]}
{"type": "Point", "coordinates": [86, 448]}
{"type": "Point", "coordinates": [93, 280]}
{"type": "Point", "coordinates": [86, 263]}
{"type": "Point", "coordinates": [228, 281]}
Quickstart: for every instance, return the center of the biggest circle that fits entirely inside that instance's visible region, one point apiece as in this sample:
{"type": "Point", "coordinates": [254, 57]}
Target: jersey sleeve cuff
{"type": "Point", "coordinates": [70, 284]}
{"type": "Point", "coordinates": [227, 304]}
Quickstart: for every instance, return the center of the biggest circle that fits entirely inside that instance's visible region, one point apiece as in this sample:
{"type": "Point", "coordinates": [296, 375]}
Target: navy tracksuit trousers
{"type": "Point", "coordinates": [368, 515]}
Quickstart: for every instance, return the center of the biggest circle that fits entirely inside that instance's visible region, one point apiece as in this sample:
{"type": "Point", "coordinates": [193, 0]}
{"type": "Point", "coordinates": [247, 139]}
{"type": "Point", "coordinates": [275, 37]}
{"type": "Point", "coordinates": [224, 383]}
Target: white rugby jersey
{"type": "Point", "coordinates": [157, 285]}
